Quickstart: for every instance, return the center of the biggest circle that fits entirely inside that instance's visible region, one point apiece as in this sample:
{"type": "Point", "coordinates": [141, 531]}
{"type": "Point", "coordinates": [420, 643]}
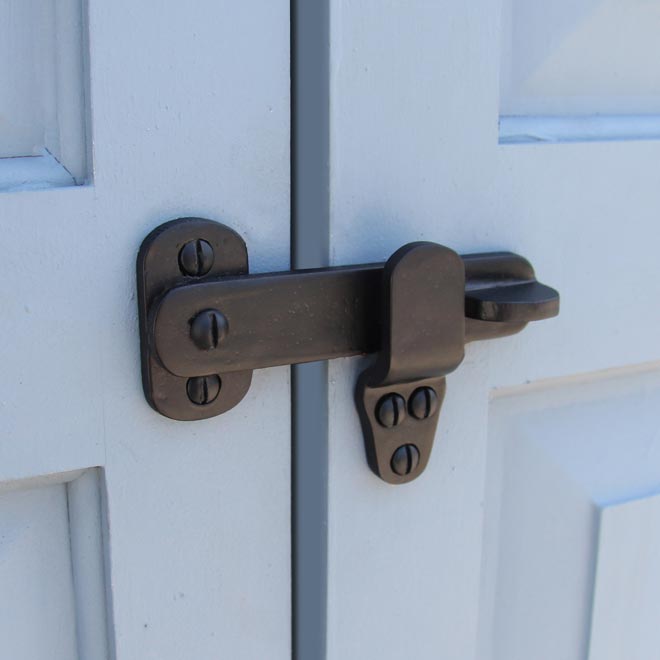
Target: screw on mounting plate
{"type": "Point", "coordinates": [196, 258]}
{"type": "Point", "coordinates": [208, 329]}
{"type": "Point", "coordinates": [203, 389]}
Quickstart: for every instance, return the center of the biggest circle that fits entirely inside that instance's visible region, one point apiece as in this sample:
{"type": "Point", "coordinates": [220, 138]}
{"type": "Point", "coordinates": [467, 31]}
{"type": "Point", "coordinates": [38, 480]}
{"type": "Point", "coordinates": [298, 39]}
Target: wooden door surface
{"type": "Point", "coordinates": [525, 126]}
{"type": "Point", "coordinates": [516, 125]}
{"type": "Point", "coordinates": [122, 533]}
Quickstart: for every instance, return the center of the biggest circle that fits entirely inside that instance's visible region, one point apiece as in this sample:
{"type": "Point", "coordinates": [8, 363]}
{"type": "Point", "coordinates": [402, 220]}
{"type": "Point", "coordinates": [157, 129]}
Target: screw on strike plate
{"type": "Point", "coordinates": [391, 410]}
{"type": "Point", "coordinates": [196, 258]}
{"type": "Point", "coordinates": [405, 460]}
{"type": "Point", "coordinates": [208, 329]}
{"type": "Point", "coordinates": [203, 389]}
{"type": "Point", "coordinates": [423, 403]}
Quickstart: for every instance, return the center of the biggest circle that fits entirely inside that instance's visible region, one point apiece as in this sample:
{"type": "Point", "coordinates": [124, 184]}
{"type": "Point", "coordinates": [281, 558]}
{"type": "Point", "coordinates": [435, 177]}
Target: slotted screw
{"type": "Point", "coordinates": [196, 258]}
{"type": "Point", "coordinates": [203, 390]}
{"type": "Point", "coordinates": [423, 403]}
{"type": "Point", "coordinates": [391, 410]}
{"type": "Point", "coordinates": [208, 329]}
{"type": "Point", "coordinates": [405, 460]}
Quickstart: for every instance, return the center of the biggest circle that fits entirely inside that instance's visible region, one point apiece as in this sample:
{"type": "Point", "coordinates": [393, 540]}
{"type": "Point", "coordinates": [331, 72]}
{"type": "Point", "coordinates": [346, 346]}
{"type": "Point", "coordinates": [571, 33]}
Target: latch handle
{"type": "Point", "coordinates": [502, 289]}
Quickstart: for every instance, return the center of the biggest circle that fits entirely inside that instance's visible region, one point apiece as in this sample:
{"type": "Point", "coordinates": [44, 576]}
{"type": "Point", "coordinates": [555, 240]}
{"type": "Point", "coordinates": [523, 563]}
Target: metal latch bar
{"type": "Point", "coordinates": [206, 324]}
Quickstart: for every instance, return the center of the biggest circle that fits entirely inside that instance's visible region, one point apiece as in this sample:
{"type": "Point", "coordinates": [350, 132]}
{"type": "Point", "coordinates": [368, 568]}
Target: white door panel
{"type": "Point", "coordinates": [570, 517]}
{"type": "Point", "coordinates": [625, 617]}
{"type": "Point", "coordinates": [416, 156]}
{"type": "Point", "coordinates": [189, 109]}
{"type": "Point", "coordinates": [51, 567]}
{"type": "Point", "coordinates": [574, 57]}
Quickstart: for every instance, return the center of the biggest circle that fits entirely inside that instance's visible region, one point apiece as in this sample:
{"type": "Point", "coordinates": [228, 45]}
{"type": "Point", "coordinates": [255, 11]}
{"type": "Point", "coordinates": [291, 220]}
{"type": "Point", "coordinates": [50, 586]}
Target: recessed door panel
{"type": "Point", "coordinates": [570, 510]}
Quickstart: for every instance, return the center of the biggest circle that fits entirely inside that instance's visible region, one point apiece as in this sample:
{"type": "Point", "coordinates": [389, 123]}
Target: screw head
{"type": "Point", "coordinates": [391, 410]}
{"type": "Point", "coordinates": [196, 258]}
{"type": "Point", "coordinates": [203, 390]}
{"type": "Point", "coordinates": [405, 460]}
{"type": "Point", "coordinates": [208, 329]}
{"type": "Point", "coordinates": [423, 403]}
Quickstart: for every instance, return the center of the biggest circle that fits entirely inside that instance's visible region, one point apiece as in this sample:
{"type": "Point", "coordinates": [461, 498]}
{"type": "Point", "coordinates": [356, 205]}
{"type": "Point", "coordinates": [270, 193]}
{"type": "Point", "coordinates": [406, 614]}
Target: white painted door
{"type": "Point", "coordinates": [527, 126]}
{"type": "Point", "coordinates": [122, 533]}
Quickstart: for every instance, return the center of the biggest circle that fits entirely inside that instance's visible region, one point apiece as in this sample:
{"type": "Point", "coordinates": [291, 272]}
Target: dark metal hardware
{"type": "Point", "coordinates": [422, 340]}
{"type": "Point", "coordinates": [205, 325]}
